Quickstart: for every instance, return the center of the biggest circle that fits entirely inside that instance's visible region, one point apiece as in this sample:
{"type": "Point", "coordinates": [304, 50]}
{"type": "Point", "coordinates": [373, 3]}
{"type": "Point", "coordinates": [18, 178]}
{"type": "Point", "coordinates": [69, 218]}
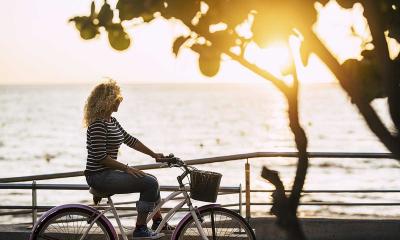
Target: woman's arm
{"type": "Point", "coordinates": [139, 146]}
{"type": "Point", "coordinates": [136, 144]}
{"type": "Point", "coordinates": [113, 164]}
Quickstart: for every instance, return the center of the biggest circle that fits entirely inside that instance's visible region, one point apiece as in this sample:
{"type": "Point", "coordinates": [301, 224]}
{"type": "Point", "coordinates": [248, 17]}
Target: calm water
{"type": "Point", "coordinates": [41, 132]}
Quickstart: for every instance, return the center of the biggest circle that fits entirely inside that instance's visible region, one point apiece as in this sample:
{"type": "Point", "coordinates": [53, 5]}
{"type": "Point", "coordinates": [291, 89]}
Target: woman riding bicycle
{"type": "Point", "coordinates": [103, 172]}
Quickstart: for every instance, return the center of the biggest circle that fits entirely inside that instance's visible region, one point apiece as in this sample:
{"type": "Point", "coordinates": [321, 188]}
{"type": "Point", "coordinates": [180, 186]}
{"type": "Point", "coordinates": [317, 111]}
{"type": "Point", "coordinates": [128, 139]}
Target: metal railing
{"type": "Point", "coordinates": [35, 208]}
{"type": "Point", "coordinates": [5, 182]}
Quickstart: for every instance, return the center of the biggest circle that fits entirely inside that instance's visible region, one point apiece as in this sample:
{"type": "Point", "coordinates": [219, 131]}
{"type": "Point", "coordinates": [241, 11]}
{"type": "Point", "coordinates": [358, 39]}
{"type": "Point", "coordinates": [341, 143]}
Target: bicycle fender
{"type": "Point", "coordinates": [189, 215]}
{"type": "Point", "coordinates": [40, 221]}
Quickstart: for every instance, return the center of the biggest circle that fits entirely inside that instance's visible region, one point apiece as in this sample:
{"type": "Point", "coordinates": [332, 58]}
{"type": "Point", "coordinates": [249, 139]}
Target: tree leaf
{"type": "Point", "coordinates": [223, 40]}
{"type": "Point", "coordinates": [79, 21]}
{"type": "Point", "coordinates": [231, 12]}
{"type": "Point", "coordinates": [197, 48]}
{"type": "Point", "coordinates": [147, 17]}
{"type": "Point", "coordinates": [105, 15]}
{"type": "Point", "coordinates": [89, 32]}
{"type": "Point", "coordinates": [367, 80]}
{"type": "Point", "coordinates": [209, 60]}
{"type": "Point", "coordinates": [85, 27]}
{"type": "Point", "coordinates": [152, 6]}
{"type": "Point", "coordinates": [209, 67]}
{"type": "Point", "coordinates": [129, 9]}
{"type": "Point", "coordinates": [118, 38]}
{"type": "Point", "coordinates": [178, 44]}
{"type": "Point", "coordinates": [92, 10]}
{"type": "Point", "coordinates": [346, 3]}
{"type": "Point", "coordinates": [183, 10]}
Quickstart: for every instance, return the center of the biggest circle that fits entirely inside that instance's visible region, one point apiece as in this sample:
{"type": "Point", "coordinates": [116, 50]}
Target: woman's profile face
{"type": "Point", "coordinates": [117, 103]}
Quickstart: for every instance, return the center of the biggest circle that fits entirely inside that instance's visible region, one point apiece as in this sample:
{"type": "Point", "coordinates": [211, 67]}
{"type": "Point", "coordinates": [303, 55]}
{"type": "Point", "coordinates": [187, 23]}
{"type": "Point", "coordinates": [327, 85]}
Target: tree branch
{"type": "Point", "coordinates": [385, 64]}
{"type": "Point", "coordinates": [263, 73]}
{"type": "Point", "coordinates": [392, 143]}
{"type": "Point", "coordinates": [254, 68]}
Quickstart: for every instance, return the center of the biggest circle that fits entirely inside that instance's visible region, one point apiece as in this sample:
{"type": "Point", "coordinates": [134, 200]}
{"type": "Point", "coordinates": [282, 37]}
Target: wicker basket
{"type": "Point", "coordinates": [204, 185]}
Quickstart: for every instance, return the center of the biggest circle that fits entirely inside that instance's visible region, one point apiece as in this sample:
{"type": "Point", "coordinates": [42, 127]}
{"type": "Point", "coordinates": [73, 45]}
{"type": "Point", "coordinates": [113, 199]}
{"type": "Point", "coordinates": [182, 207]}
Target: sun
{"type": "Point", "coordinates": [275, 58]}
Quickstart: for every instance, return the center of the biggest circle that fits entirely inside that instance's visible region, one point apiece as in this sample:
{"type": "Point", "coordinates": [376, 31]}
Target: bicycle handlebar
{"type": "Point", "coordinates": [171, 159]}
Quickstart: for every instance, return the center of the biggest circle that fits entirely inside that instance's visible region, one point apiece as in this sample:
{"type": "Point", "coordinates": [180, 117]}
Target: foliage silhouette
{"type": "Point", "coordinates": [375, 76]}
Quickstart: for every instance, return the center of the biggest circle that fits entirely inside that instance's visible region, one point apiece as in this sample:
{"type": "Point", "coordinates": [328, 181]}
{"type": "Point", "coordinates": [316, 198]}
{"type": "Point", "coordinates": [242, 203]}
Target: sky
{"type": "Point", "coordinates": [39, 46]}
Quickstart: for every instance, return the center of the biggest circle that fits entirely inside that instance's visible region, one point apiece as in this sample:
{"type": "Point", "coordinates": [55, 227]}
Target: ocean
{"type": "Point", "coordinates": [41, 132]}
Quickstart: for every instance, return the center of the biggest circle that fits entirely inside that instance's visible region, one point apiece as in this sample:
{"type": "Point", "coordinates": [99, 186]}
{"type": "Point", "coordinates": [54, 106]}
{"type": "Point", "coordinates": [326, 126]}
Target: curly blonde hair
{"type": "Point", "coordinates": [101, 101]}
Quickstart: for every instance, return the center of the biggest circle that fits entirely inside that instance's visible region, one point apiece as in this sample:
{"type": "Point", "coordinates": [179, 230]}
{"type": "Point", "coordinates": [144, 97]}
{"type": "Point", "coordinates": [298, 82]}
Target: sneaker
{"type": "Point", "coordinates": [167, 227]}
{"type": "Point", "coordinates": [144, 233]}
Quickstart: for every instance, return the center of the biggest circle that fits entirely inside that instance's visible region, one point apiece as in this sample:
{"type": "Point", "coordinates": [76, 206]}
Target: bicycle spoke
{"type": "Point", "coordinates": [48, 237]}
{"type": "Point", "coordinates": [72, 226]}
{"type": "Point", "coordinates": [218, 225]}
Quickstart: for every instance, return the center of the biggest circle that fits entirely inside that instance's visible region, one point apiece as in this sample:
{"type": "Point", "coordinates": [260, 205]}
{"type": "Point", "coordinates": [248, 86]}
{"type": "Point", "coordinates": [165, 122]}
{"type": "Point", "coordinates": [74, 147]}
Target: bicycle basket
{"type": "Point", "coordinates": [204, 185]}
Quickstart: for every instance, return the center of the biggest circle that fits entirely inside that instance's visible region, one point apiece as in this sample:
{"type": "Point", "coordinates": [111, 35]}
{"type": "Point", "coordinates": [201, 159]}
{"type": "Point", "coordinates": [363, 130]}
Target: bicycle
{"type": "Point", "coordinates": [76, 221]}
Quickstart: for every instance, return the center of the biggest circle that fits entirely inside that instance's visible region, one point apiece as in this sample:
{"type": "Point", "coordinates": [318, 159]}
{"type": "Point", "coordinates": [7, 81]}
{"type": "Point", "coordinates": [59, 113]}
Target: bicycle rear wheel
{"type": "Point", "coordinates": [71, 224]}
{"type": "Point", "coordinates": [219, 223]}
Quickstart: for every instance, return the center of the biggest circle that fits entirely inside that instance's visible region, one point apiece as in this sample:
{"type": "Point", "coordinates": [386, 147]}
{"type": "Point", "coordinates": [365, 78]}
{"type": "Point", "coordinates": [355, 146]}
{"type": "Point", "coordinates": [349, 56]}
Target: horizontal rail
{"type": "Point", "coordinates": [86, 187]}
{"type": "Point", "coordinates": [18, 186]}
{"type": "Point", "coordinates": [45, 208]}
{"type": "Point", "coordinates": [52, 186]}
{"type": "Point", "coordinates": [334, 204]}
{"type": "Point", "coordinates": [226, 190]}
{"type": "Point", "coordinates": [25, 186]}
{"type": "Point", "coordinates": [328, 191]}
{"type": "Point", "coordinates": [212, 160]}
{"type": "Point", "coordinates": [100, 207]}
{"type": "Point", "coordinates": [226, 205]}
{"type": "Point", "coordinates": [49, 207]}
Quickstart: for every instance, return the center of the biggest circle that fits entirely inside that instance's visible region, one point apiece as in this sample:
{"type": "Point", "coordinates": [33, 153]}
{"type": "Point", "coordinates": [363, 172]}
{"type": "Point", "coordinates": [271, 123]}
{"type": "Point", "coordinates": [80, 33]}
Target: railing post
{"type": "Point", "coordinates": [34, 203]}
{"type": "Point", "coordinates": [240, 199]}
{"type": "Point", "coordinates": [247, 176]}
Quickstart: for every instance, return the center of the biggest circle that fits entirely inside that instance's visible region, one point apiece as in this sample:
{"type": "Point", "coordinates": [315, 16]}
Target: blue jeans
{"type": "Point", "coordinates": [117, 182]}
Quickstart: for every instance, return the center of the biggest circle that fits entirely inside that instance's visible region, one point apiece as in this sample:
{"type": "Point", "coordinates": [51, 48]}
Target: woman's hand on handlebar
{"type": "Point", "coordinates": [171, 160]}
{"type": "Point", "coordinates": [157, 156]}
{"type": "Point", "coordinates": [135, 172]}
{"type": "Point", "coordinates": [167, 159]}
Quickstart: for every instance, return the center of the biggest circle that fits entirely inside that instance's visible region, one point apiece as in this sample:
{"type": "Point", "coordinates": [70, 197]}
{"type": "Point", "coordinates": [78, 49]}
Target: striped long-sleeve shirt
{"type": "Point", "coordinates": [104, 138]}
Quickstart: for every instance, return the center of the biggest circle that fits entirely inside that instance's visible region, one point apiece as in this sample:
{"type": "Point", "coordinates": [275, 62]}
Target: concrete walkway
{"type": "Point", "coordinates": [332, 229]}
{"type": "Point", "coordinates": [315, 229]}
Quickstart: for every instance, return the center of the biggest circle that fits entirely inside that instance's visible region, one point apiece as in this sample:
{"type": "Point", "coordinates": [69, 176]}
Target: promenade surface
{"type": "Point", "coordinates": [265, 228]}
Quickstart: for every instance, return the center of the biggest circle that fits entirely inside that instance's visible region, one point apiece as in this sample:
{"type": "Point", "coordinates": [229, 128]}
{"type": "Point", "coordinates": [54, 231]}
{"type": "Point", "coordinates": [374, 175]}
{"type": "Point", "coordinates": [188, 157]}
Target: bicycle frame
{"type": "Point", "coordinates": [175, 209]}
{"type": "Point", "coordinates": [114, 211]}
{"type": "Point", "coordinates": [170, 213]}
{"type": "Point", "coordinates": [182, 190]}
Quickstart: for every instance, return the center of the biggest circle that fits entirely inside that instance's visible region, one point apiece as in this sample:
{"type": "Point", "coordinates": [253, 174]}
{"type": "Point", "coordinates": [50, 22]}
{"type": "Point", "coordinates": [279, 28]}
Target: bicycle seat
{"type": "Point", "coordinates": [99, 194]}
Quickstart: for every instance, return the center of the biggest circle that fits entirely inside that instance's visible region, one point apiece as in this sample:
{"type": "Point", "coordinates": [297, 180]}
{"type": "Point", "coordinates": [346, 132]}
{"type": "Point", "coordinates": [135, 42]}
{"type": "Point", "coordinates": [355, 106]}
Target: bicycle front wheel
{"type": "Point", "coordinates": [72, 224]}
{"type": "Point", "coordinates": [218, 223]}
